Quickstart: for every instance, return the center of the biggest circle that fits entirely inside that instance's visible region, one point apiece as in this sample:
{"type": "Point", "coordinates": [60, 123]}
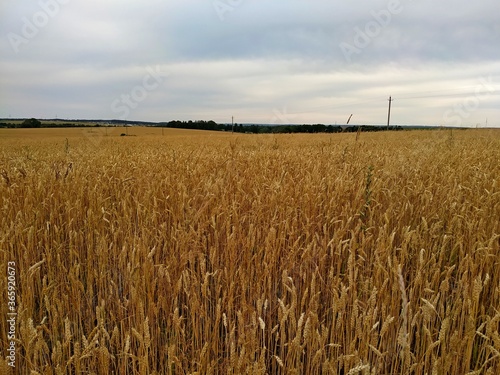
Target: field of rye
{"type": "Point", "coordinates": [214, 253]}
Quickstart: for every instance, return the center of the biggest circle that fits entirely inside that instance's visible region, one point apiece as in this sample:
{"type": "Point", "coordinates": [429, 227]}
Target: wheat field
{"type": "Point", "coordinates": [185, 252]}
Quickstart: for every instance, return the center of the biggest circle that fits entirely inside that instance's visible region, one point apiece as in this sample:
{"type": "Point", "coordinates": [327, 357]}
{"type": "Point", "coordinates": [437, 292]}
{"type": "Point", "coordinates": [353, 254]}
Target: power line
{"type": "Point", "coordinates": [378, 99]}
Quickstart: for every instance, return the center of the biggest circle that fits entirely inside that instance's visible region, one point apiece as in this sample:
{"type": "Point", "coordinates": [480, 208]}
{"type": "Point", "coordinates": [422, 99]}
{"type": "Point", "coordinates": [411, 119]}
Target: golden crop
{"type": "Point", "coordinates": [215, 253]}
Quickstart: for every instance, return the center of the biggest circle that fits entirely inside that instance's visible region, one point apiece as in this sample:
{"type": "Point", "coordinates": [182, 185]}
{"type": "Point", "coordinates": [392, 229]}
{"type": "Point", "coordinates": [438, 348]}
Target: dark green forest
{"type": "Point", "coordinates": [260, 128]}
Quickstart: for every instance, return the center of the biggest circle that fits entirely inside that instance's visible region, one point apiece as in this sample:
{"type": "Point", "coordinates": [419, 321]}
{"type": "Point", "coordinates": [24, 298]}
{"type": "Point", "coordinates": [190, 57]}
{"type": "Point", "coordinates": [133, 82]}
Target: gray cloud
{"type": "Point", "coordinates": [249, 58]}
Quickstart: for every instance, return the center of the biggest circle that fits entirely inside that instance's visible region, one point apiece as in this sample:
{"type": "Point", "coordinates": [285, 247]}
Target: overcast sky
{"type": "Point", "coordinates": [261, 61]}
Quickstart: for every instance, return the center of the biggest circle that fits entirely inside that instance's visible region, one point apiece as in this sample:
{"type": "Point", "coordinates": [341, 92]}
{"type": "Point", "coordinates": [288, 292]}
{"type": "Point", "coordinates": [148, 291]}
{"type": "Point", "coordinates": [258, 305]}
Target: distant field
{"type": "Point", "coordinates": [191, 252]}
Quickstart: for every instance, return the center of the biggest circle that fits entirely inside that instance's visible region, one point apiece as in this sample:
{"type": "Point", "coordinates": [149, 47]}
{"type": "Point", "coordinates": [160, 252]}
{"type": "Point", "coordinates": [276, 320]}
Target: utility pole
{"type": "Point", "coordinates": [389, 113]}
{"type": "Point", "coordinates": [232, 124]}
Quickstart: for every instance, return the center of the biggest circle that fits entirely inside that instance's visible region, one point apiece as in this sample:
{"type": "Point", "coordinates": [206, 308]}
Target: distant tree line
{"type": "Point", "coordinates": [56, 123]}
{"type": "Point", "coordinates": [28, 123]}
{"type": "Point", "coordinates": [203, 125]}
{"type": "Point", "coordinates": [45, 125]}
{"type": "Point", "coordinates": [239, 128]}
